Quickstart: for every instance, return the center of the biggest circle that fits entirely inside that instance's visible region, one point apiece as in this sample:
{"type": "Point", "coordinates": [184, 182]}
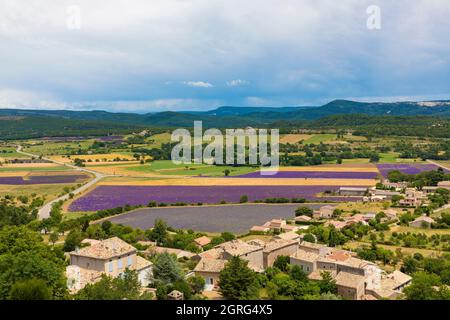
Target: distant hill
{"type": "Point", "coordinates": [231, 117]}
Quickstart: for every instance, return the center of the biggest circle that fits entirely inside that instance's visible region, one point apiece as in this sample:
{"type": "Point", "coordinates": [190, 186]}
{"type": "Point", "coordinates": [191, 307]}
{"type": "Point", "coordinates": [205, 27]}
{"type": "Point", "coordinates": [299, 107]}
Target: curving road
{"type": "Point", "coordinates": [44, 212]}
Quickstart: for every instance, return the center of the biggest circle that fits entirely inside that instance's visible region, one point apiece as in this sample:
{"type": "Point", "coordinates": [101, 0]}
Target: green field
{"type": "Point", "coordinates": [48, 148]}
{"type": "Point", "coordinates": [10, 152]}
{"type": "Point", "coordinates": [318, 138]}
{"type": "Point", "coordinates": [167, 167]}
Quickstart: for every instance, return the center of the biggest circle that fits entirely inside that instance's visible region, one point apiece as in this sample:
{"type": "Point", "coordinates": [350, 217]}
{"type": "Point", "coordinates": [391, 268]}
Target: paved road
{"type": "Point", "coordinates": [44, 212]}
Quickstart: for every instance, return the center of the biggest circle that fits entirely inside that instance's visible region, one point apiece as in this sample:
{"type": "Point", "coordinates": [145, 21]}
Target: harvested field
{"type": "Point", "coordinates": [294, 138]}
{"type": "Point", "coordinates": [106, 197]}
{"type": "Point", "coordinates": [233, 218]}
{"type": "Point", "coordinates": [95, 157]}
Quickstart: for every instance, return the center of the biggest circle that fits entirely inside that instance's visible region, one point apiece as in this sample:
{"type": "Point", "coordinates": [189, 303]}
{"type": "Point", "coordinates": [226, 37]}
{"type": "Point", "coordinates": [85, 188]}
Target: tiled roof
{"type": "Point", "coordinates": [276, 244]}
{"type": "Point", "coordinates": [291, 235]}
{"type": "Point", "coordinates": [105, 249]}
{"type": "Point", "coordinates": [202, 241]}
{"type": "Point", "coordinates": [210, 265]}
{"type": "Point", "coordinates": [317, 274]}
{"type": "Point", "coordinates": [238, 247]}
{"type": "Point", "coordinates": [305, 256]}
{"type": "Point", "coordinates": [177, 252]}
{"type": "Point", "coordinates": [349, 280]}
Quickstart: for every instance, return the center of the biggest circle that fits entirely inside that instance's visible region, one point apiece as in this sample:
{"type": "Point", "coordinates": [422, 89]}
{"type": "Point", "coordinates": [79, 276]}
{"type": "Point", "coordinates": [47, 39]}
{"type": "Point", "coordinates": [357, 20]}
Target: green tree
{"type": "Point", "coordinates": [30, 289]}
{"type": "Point", "coordinates": [237, 281]}
{"type": "Point", "coordinates": [159, 232]}
{"type": "Point", "coordinates": [54, 236]}
{"type": "Point", "coordinates": [327, 284]}
{"type": "Point", "coordinates": [282, 263]}
{"type": "Point", "coordinates": [304, 211]}
{"type": "Point", "coordinates": [424, 286]}
{"type": "Point", "coordinates": [197, 283]}
{"type": "Point", "coordinates": [243, 199]}
{"type": "Point", "coordinates": [24, 256]}
{"type": "Point", "coordinates": [124, 287]}
{"type": "Point", "coordinates": [73, 240]}
{"type": "Point", "coordinates": [309, 238]}
{"type": "Point", "coordinates": [166, 269]}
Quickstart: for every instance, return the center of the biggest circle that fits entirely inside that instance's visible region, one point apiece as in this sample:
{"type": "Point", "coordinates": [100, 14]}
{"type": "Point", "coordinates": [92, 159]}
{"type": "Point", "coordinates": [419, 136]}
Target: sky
{"type": "Point", "coordinates": [154, 55]}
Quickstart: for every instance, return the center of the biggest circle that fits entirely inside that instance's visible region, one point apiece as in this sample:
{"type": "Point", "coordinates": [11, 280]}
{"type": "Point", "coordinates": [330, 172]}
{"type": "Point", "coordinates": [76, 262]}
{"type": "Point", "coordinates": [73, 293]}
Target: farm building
{"type": "Point", "coordinates": [444, 184]}
{"type": "Point", "coordinates": [325, 212]}
{"type": "Point", "coordinates": [422, 222]}
{"type": "Point", "coordinates": [111, 257]}
{"type": "Point", "coordinates": [353, 191]}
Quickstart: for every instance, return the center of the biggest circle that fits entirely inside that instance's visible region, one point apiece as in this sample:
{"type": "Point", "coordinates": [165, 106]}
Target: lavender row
{"type": "Point", "coordinates": [312, 175]}
{"type": "Point", "coordinates": [42, 179]}
{"type": "Point", "coordinates": [405, 168]}
{"type": "Point", "coordinates": [105, 197]}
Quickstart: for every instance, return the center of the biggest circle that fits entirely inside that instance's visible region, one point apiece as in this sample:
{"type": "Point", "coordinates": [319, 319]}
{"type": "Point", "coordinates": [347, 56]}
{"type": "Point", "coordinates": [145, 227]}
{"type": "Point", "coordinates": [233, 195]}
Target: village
{"type": "Point", "coordinates": [355, 278]}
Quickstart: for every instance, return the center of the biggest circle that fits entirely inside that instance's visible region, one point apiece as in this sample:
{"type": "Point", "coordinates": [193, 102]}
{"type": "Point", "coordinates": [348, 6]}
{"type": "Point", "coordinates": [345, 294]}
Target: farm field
{"type": "Point", "coordinates": [409, 251]}
{"type": "Point", "coordinates": [444, 163]}
{"type": "Point", "coordinates": [110, 196]}
{"type": "Point", "coordinates": [156, 140]}
{"type": "Point", "coordinates": [48, 148]}
{"type": "Point", "coordinates": [191, 170]}
{"type": "Point", "coordinates": [236, 181]}
{"type": "Point", "coordinates": [318, 138]}
{"type": "Point", "coordinates": [49, 191]}
{"type": "Point", "coordinates": [43, 179]}
{"type": "Point", "coordinates": [233, 218]}
{"type": "Point", "coordinates": [349, 167]}
{"type": "Point", "coordinates": [311, 174]}
{"type": "Point", "coordinates": [5, 169]}
{"type": "Point", "coordinates": [405, 168]}
{"type": "Point", "coordinates": [104, 158]}
{"type": "Point", "coordinates": [294, 138]}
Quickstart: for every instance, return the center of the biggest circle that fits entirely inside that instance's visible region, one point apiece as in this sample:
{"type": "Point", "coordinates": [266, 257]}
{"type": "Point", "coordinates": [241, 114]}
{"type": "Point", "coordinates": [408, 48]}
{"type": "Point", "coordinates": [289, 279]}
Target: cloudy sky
{"type": "Point", "coordinates": [151, 55]}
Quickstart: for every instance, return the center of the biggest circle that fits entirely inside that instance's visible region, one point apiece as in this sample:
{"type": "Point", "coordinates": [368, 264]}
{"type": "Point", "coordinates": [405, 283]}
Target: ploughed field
{"type": "Point", "coordinates": [233, 218]}
{"type": "Point", "coordinates": [111, 196]}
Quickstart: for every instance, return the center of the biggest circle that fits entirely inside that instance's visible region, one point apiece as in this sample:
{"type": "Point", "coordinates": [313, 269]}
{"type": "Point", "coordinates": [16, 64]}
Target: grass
{"type": "Point", "coordinates": [318, 138]}
{"type": "Point", "coordinates": [409, 251]}
{"type": "Point", "coordinates": [49, 191]}
{"type": "Point", "coordinates": [48, 148]}
{"type": "Point", "coordinates": [169, 168]}
{"type": "Point", "coordinates": [294, 138]}
{"type": "Point", "coordinates": [428, 232]}
{"type": "Point", "coordinates": [157, 140]}
{"type": "Point", "coordinates": [76, 215]}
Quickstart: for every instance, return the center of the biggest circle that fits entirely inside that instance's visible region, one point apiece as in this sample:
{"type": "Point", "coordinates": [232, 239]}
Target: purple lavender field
{"type": "Point", "coordinates": [312, 175]}
{"type": "Point", "coordinates": [106, 197]}
{"type": "Point", "coordinates": [43, 179]}
{"type": "Point", "coordinates": [234, 218]}
{"type": "Point", "coordinates": [405, 168]}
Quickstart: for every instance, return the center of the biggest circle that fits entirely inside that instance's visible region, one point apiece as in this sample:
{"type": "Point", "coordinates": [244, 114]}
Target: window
{"type": "Point", "coordinates": [111, 266]}
{"type": "Point", "coordinates": [130, 261]}
{"type": "Point", "coordinates": [119, 263]}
